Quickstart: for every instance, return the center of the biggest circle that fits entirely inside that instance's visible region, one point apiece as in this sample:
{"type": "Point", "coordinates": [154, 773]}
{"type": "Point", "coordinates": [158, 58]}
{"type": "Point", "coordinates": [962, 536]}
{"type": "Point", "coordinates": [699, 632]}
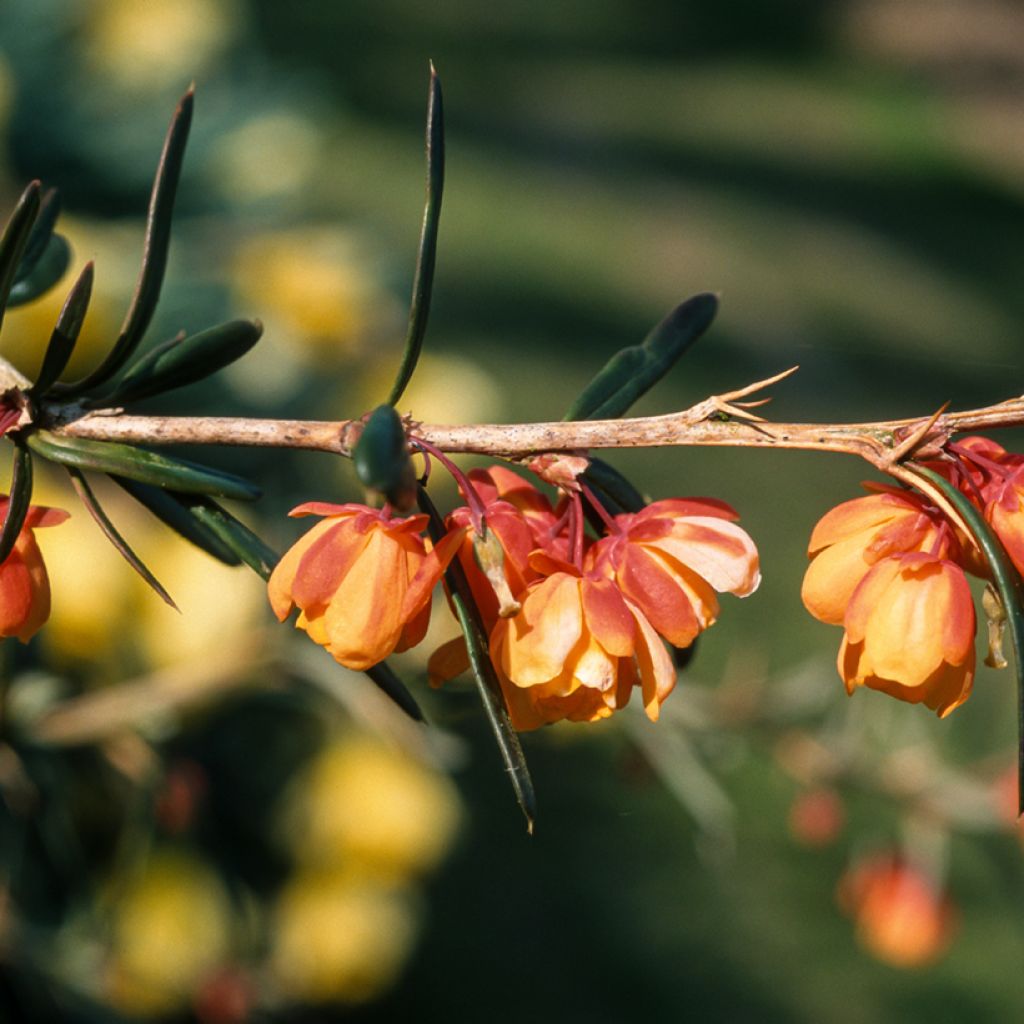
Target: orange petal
{"type": "Point", "coordinates": [833, 575]}
{"type": "Point", "coordinates": [451, 659]}
{"type": "Point", "coordinates": [326, 563]}
{"type": "Point", "coordinates": [719, 551]}
{"type": "Point", "coordinates": [858, 515]}
{"type": "Point", "coordinates": [279, 586]}
{"type": "Point", "coordinates": [15, 594]}
{"type": "Point", "coordinates": [544, 632]}
{"type": "Point", "coordinates": [657, 673]}
{"type": "Point", "coordinates": [429, 571]}
{"type": "Point", "coordinates": [649, 583]}
{"type": "Point", "coordinates": [607, 616]}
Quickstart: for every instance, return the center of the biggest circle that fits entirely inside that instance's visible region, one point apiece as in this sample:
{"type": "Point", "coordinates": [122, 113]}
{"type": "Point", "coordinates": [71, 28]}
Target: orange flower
{"type": "Point", "coordinates": [575, 651]}
{"type": "Point", "coordinates": [910, 632]}
{"type": "Point", "coordinates": [853, 536]}
{"type": "Point", "coordinates": [902, 918]}
{"type": "Point", "coordinates": [361, 580]}
{"type": "Point", "coordinates": [24, 584]}
{"type": "Point", "coordinates": [671, 557]}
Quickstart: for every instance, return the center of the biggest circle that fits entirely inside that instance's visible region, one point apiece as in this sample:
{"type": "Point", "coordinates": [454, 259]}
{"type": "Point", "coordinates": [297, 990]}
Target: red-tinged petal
{"type": "Point", "coordinates": [326, 563]}
{"type": "Point", "coordinates": [943, 691]}
{"type": "Point", "coordinates": [719, 551]}
{"type": "Point", "coordinates": [324, 508]}
{"type": "Point", "coordinates": [674, 508]}
{"type": "Point", "coordinates": [608, 618]}
{"type": "Point", "coordinates": [39, 582]}
{"type": "Point", "coordinates": [451, 659]}
{"type": "Point", "coordinates": [850, 664]}
{"type": "Point", "coordinates": [363, 619]}
{"type": "Point", "coordinates": [641, 531]}
{"type": "Point", "coordinates": [415, 629]}
{"type": "Point", "coordinates": [279, 586]}
{"type": "Point", "coordinates": [544, 632]}
{"type": "Point", "coordinates": [1009, 528]}
{"type": "Point", "coordinates": [546, 564]}
{"type": "Point", "coordinates": [647, 581]}
{"type": "Point", "coordinates": [859, 515]}
{"type": "Point", "coordinates": [657, 673]}
{"type": "Point", "coordinates": [410, 524]}
{"type": "Point", "coordinates": [15, 595]}
{"type": "Point", "coordinates": [41, 515]}
{"type": "Point", "coordinates": [429, 571]}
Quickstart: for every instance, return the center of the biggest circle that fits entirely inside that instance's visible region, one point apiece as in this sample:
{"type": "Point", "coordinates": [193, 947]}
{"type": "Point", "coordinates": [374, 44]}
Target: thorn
{"type": "Point", "coordinates": [909, 444]}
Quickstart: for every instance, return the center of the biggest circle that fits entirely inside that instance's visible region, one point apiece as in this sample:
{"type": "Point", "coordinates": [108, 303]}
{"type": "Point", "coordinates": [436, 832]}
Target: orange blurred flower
{"type": "Point", "coordinates": [850, 538]}
{"type": "Point", "coordinates": [362, 581]}
{"type": "Point", "coordinates": [816, 817]}
{"type": "Point", "coordinates": [902, 918]}
{"type": "Point", "coordinates": [24, 584]}
{"type": "Point", "coordinates": [910, 632]}
{"type": "Point", "coordinates": [575, 651]}
{"type": "Point", "coordinates": [671, 557]}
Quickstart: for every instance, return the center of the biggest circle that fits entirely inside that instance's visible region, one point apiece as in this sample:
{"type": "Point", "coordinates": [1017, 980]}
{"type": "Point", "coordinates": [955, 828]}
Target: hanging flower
{"type": "Point", "coordinates": [852, 537]}
{"type": "Point", "coordinates": [575, 651]}
{"type": "Point", "coordinates": [902, 917]}
{"type": "Point", "coordinates": [24, 584]}
{"type": "Point", "coordinates": [670, 558]}
{"type": "Point", "coordinates": [361, 580]}
{"type": "Point", "coordinates": [910, 632]}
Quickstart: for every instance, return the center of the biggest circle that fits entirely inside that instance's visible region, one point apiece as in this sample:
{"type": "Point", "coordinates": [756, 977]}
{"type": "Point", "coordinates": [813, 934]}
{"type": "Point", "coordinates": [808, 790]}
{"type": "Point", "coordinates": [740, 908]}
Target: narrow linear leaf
{"type": "Point", "coordinates": [384, 676]}
{"type": "Point", "coordinates": [426, 258]}
{"type": "Point", "coordinates": [39, 237]}
{"type": "Point", "coordinates": [245, 545]}
{"type": "Point", "coordinates": [171, 509]}
{"type": "Point", "coordinates": [483, 672]}
{"type": "Point", "coordinates": [154, 255]}
{"type": "Point", "coordinates": [46, 272]}
{"type": "Point", "coordinates": [633, 371]}
{"type": "Point", "coordinates": [110, 531]}
{"type": "Point", "coordinates": [65, 334]}
{"type": "Point", "coordinates": [1008, 585]}
{"type": "Point", "coordinates": [14, 239]}
{"type": "Point", "coordinates": [183, 361]}
{"type": "Point", "coordinates": [139, 464]}
{"type": "Point", "coordinates": [20, 499]}
{"type": "Point", "coordinates": [605, 478]}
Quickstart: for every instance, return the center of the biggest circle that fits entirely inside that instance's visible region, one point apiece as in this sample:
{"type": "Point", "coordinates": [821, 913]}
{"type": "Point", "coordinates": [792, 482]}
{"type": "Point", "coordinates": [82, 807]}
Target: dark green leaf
{"type": "Point", "coordinates": [115, 538]}
{"type": "Point", "coordinates": [184, 361]}
{"type": "Point", "coordinates": [632, 371]}
{"type": "Point", "coordinates": [234, 534]}
{"type": "Point", "coordinates": [483, 671]}
{"type": "Point", "coordinates": [173, 510]}
{"type": "Point", "coordinates": [426, 258]}
{"type": "Point", "coordinates": [42, 232]}
{"type": "Point", "coordinates": [154, 256]}
{"type": "Point", "coordinates": [65, 334]}
{"type": "Point", "coordinates": [50, 268]}
{"type": "Point", "coordinates": [139, 464]}
{"type": "Point", "coordinates": [608, 482]}
{"type": "Point", "coordinates": [20, 499]}
{"type": "Point", "coordinates": [381, 457]}
{"type": "Point", "coordinates": [14, 239]}
{"type": "Point", "coordinates": [390, 684]}
{"type": "Point", "coordinates": [1008, 585]}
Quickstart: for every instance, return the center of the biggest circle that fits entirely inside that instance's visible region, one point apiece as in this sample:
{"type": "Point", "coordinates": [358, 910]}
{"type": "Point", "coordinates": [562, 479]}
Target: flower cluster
{"type": "Point", "coordinates": [892, 570]}
{"type": "Point", "coordinates": [574, 622]}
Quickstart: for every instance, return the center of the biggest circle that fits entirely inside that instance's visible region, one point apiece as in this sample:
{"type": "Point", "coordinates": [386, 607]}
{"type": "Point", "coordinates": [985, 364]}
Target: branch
{"type": "Point", "coordinates": [721, 420]}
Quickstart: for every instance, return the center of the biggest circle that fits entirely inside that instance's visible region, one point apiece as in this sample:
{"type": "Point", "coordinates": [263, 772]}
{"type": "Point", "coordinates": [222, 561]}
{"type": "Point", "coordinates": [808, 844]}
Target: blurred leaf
{"type": "Point", "coordinates": [42, 232]}
{"type": "Point", "coordinates": [139, 464]}
{"type": "Point", "coordinates": [183, 361]}
{"type": "Point", "coordinates": [483, 671]}
{"type": "Point", "coordinates": [381, 457]}
{"type": "Point", "coordinates": [632, 371]}
{"type": "Point", "coordinates": [14, 240]}
{"type": "Point", "coordinates": [426, 258]}
{"type": "Point", "coordinates": [20, 499]}
{"type": "Point", "coordinates": [384, 676]}
{"type": "Point", "coordinates": [50, 268]}
{"type": "Point", "coordinates": [154, 256]}
{"type": "Point", "coordinates": [171, 509]}
{"type": "Point", "coordinates": [65, 334]}
{"type": "Point", "coordinates": [1008, 585]}
{"type": "Point", "coordinates": [115, 538]}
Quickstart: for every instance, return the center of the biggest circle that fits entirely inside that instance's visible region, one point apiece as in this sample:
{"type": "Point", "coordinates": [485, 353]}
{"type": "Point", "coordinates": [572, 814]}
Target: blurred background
{"type": "Point", "coordinates": [203, 818]}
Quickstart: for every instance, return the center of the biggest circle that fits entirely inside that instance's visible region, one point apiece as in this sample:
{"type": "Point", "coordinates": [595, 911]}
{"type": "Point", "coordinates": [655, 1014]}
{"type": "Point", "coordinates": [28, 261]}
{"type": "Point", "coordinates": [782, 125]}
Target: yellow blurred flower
{"type": "Point", "coordinates": [220, 604]}
{"type": "Point", "coordinates": [365, 804]}
{"type": "Point", "coordinates": [159, 43]}
{"type": "Point", "coordinates": [338, 939]}
{"type": "Point", "coordinates": [312, 289]}
{"type": "Point", "coordinates": [170, 928]}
